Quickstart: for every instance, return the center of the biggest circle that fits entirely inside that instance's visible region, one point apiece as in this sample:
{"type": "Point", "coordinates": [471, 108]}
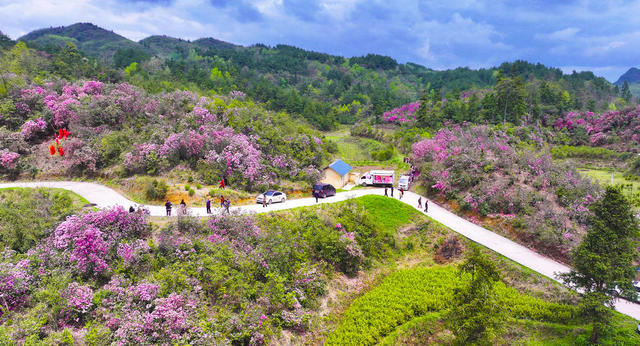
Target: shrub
{"type": "Point", "coordinates": [155, 189]}
{"type": "Point", "coordinates": [198, 186]}
{"type": "Point", "coordinates": [187, 187]}
{"type": "Point", "coordinates": [192, 192]}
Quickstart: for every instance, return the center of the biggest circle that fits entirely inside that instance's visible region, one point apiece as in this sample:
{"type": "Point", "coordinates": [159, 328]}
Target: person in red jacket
{"type": "Point", "coordinates": [221, 185]}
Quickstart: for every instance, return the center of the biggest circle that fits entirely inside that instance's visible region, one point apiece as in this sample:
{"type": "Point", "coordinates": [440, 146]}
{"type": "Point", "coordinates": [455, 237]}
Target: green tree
{"type": "Point", "coordinates": [603, 262]}
{"type": "Point", "coordinates": [510, 97]}
{"type": "Point", "coordinates": [475, 316]}
{"type": "Point", "coordinates": [626, 93]}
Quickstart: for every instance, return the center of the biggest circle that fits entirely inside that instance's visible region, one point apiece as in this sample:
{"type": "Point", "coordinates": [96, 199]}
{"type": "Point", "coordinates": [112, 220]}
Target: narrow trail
{"type": "Point", "coordinates": [105, 197]}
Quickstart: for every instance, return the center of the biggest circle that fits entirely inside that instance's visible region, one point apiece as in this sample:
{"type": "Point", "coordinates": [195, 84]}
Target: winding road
{"type": "Point", "coordinates": [105, 197]}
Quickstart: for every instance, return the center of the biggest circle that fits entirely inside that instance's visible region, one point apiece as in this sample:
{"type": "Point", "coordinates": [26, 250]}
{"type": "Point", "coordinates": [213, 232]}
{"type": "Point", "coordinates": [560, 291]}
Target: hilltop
{"type": "Point", "coordinates": [89, 38]}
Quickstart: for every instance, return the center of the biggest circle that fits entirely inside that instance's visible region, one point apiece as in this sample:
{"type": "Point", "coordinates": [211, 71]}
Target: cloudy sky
{"type": "Point", "coordinates": [602, 36]}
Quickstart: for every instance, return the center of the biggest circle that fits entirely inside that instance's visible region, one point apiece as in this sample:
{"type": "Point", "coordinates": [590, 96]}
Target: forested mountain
{"type": "Point", "coordinates": [631, 76]}
{"type": "Point", "coordinates": [5, 42]}
{"type": "Point", "coordinates": [325, 89]}
{"type": "Point", "coordinates": [89, 38]}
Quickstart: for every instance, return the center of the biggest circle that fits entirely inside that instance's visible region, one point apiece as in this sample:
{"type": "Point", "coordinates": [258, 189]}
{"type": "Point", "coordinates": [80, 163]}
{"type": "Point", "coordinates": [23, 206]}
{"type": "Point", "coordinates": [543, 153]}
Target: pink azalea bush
{"type": "Point", "coordinates": [90, 240]}
{"type": "Point", "coordinates": [33, 128]}
{"type": "Point", "coordinates": [618, 130]}
{"type": "Point", "coordinates": [15, 284]}
{"type": "Point", "coordinates": [482, 168]}
{"type": "Point", "coordinates": [403, 114]}
{"type": "Point", "coordinates": [8, 159]}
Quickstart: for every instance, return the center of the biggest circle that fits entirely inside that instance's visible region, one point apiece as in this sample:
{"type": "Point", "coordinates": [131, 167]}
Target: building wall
{"type": "Point", "coordinates": [329, 176]}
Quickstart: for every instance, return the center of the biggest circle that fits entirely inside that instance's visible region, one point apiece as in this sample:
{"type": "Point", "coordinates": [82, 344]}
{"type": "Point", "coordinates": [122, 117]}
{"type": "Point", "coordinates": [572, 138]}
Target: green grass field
{"type": "Point", "coordinates": [356, 151]}
{"type": "Point", "coordinates": [604, 177]}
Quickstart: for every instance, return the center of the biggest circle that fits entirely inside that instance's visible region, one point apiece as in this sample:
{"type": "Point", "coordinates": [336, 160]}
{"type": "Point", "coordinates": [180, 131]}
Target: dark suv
{"type": "Point", "coordinates": [324, 190]}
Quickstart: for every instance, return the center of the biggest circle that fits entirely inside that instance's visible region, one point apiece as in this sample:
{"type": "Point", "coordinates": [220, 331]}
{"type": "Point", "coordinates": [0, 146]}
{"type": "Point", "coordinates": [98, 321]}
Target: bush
{"type": "Point", "coordinates": [155, 189]}
{"type": "Point", "coordinates": [198, 186]}
{"type": "Point", "coordinates": [187, 187]}
{"type": "Point", "coordinates": [192, 192]}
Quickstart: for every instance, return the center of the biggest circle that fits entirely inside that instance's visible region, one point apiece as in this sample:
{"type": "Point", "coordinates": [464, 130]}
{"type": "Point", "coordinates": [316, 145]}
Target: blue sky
{"type": "Point", "coordinates": [600, 36]}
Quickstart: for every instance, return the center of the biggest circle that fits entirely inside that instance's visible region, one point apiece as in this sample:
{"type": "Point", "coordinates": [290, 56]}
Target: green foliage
{"type": "Point", "coordinates": [583, 151]}
{"type": "Point", "coordinates": [406, 294]}
{"type": "Point", "coordinates": [603, 262]}
{"type": "Point", "coordinates": [187, 187]}
{"type": "Point", "coordinates": [191, 192]}
{"type": "Point", "coordinates": [113, 144]}
{"type": "Point", "coordinates": [27, 215]}
{"type": "Point", "coordinates": [155, 189]}
{"type": "Point", "coordinates": [476, 314]}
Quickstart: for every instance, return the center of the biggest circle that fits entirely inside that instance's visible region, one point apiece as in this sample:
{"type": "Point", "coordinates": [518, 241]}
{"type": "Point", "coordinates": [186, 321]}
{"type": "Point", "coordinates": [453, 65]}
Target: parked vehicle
{"type": "Point", "coordinates": [377, 178]}
{"type": "Point", "coordinates": [403, 182]}
{"type": "Point", "coordinates": [272, 197]}
{"type": "Point", "coordinates": [324, 190]}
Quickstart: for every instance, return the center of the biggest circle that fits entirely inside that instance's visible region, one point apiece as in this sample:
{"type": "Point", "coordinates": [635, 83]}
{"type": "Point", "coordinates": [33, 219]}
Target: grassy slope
{"type": "Point", "coordinates": [27, 214]}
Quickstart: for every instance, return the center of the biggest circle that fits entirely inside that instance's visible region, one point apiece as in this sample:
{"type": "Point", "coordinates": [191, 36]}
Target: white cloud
{"type": "Point", "coordinates": [561, 35]}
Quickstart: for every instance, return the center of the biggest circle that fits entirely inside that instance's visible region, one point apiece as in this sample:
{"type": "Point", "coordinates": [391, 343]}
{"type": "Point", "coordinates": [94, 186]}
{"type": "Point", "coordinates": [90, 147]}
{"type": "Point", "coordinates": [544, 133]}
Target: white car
{"type": "Point", "coordinates": [272, 197]}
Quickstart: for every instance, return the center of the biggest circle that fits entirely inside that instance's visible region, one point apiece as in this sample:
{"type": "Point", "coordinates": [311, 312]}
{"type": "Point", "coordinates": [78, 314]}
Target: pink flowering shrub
{"type": "Point", "coordinates": [403, 114]}
{"type": "Point", "coordinates": [483, 169]}
{"type": "Point", "coordinates": [8, 160]}
{"type": "Point", "coordinates": [33, 128]}
{"type": "Point", "coordinates": [90, 240]}
{"type": "Point", "coordinates": [616, 130]}
{"type": "Point", "coordinates": [78, 297]}
{"type": "Point", "coordinates": [15, 284]}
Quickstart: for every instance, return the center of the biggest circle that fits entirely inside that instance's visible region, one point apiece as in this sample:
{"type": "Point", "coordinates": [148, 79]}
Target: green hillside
{"type": "Point", "coordinates": [90, 39]}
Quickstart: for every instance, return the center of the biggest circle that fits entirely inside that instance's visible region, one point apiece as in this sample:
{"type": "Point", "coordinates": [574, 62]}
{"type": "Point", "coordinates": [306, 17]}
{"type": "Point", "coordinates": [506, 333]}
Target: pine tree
{"type": "Point", "coordinates": [475, 316]}
{"type": "Point", "coordinates": [603, 262]}
{"type": "Point", "coordinates": [626, 93]}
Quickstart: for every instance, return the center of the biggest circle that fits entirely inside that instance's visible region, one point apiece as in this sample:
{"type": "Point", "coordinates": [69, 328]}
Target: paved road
{"type": "Point", "coordinates": [104, 197]}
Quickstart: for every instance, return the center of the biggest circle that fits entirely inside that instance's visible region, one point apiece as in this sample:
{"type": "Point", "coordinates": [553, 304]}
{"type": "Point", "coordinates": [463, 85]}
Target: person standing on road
{"type": "Point", "coordinates": [385, 192]}
{"type": "Point", "coordinates": [391, 190]}
{"type": "Point", "coordinates": [264, 200]}
{"type": "Point", "coordinates": [401, 193]}
{"type": "Point", "coordinates": [426, 205]}
{"type": "Point", "coordinates": [208, 206]}
{"type": "Point", "coordinates": [168, 206]}
{"type": "Point", "coordinates": [419, 202]}
{"type": "Point", "coordinates": [316, 194]}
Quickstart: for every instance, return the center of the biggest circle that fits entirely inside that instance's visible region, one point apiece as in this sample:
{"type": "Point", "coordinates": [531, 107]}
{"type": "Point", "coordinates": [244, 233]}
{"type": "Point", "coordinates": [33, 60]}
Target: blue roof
{"type": "Point", "coordinates": [341, 167]}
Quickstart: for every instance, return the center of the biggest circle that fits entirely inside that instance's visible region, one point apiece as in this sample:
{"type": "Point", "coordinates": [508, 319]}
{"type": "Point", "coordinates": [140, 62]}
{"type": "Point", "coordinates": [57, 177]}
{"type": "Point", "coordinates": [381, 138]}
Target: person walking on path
{"type": "Point", "coordinates": [419, 202]}
{"type": "Point", "coordinates": [401, 193]}
{"type": "Point", "coordinates": [221, 185]}
{"type": "Point", "coordinates": [208, 206]}
{"type": "Point", "coordinates": [168, 206]}
{"type": "Point", "coordinates": [426, 205]}
{"type": "Point", "coordinates": [264, 200]}
{"type": "Point", "coordinates": [316, 193]}
{"type": "Point", "coordinates": [221, 201]}
{"type": "Point", "coordinates": [391, 190]}
{"type": "Point", "coordinates": [227, 204]}
{"type": "Point", "coordinates": [385, 192]}
{"type": "Point", "coordinates": [183, 207]}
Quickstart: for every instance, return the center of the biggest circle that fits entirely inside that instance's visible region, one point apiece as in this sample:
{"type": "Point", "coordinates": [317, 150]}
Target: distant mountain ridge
{"type": "Point", "coordinates": [98, 42]}
{"type": "Point", "coordinates": [632, 76]}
